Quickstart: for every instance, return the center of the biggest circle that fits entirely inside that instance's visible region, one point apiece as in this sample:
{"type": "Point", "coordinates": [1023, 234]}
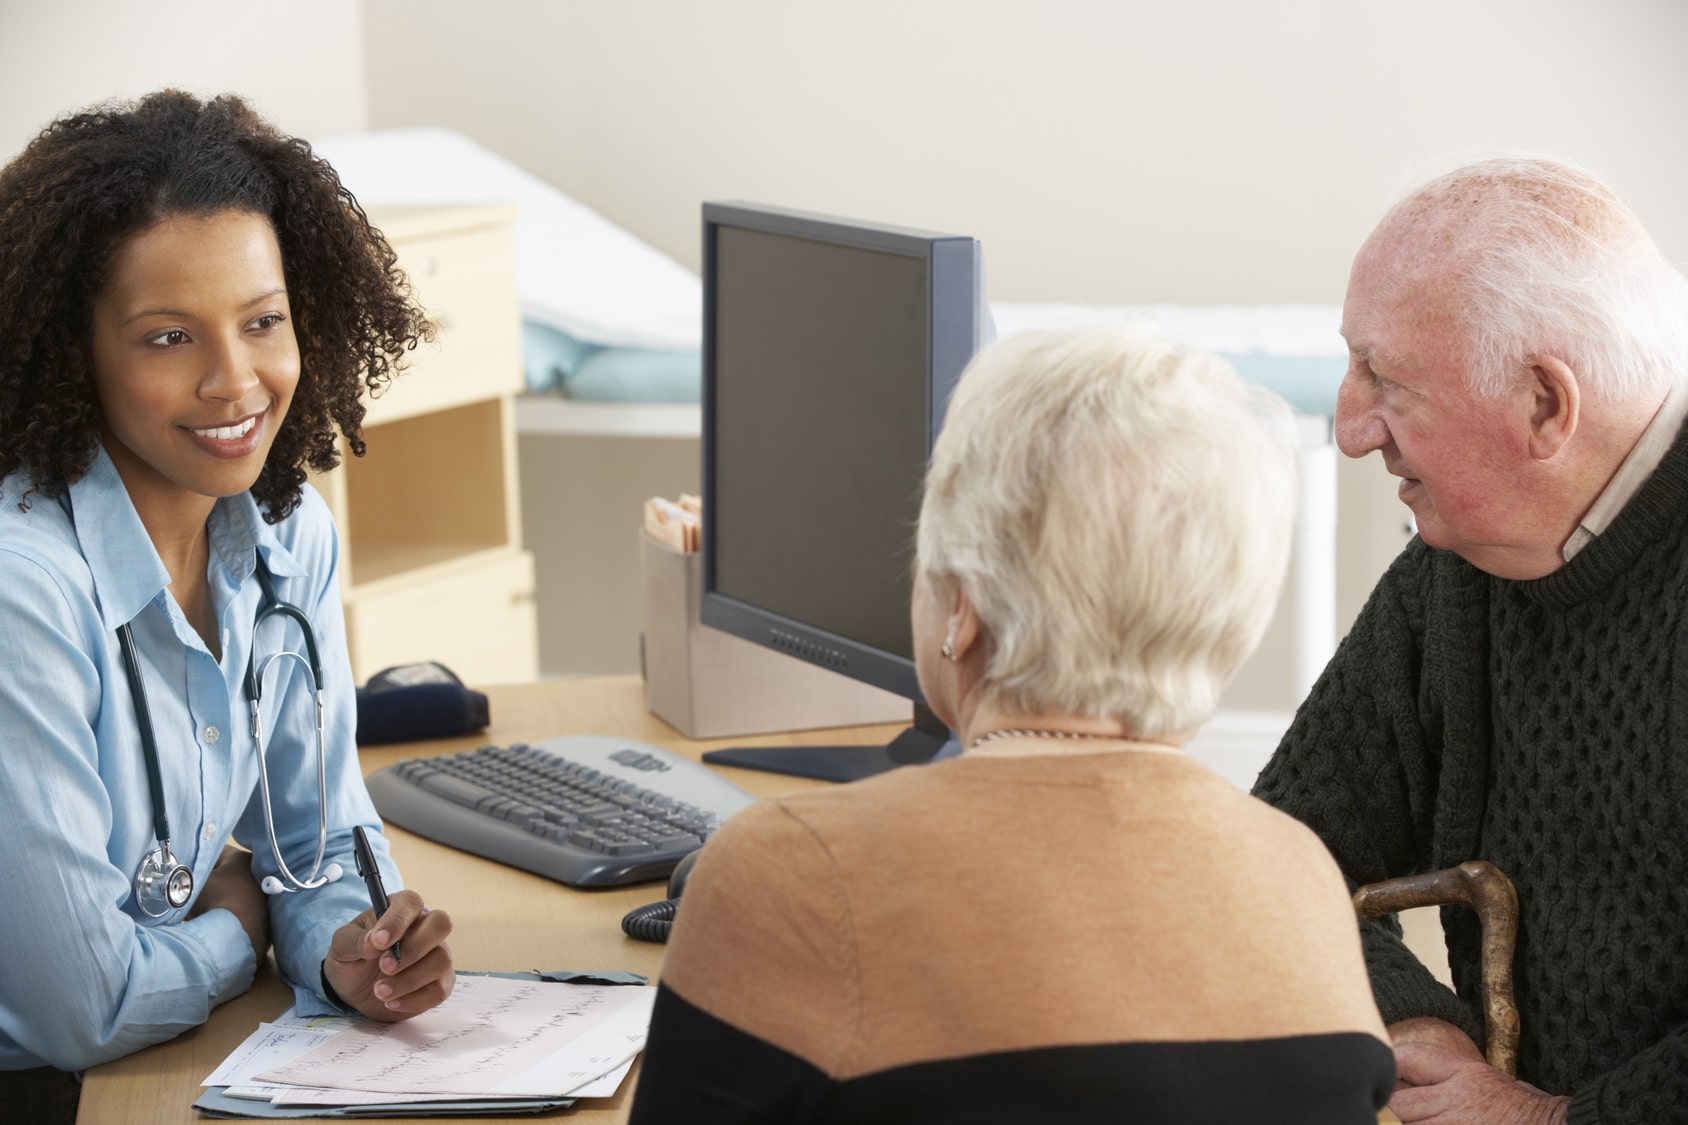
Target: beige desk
{"type": "Point", "coordinates": [504, 919]}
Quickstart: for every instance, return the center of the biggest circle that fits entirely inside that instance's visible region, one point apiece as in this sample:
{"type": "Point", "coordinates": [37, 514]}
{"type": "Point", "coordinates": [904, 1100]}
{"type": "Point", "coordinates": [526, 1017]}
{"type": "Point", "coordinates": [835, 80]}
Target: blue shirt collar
{"type": "Point", "coordinates": [127, 572]}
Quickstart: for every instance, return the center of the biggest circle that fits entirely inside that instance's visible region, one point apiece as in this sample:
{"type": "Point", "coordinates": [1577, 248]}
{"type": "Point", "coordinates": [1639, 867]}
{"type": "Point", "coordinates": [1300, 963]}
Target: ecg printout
{"type": "Point", "coordinates": [493, 1036]}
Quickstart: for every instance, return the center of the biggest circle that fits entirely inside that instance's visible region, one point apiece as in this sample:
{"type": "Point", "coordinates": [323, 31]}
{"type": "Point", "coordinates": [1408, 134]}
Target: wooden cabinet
{"type": "Point", "coordinates": [432, 562]}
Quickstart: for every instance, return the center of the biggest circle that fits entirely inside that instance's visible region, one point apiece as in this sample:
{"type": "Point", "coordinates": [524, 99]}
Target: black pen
{"type": "Point", "coordinates": [371, 876]}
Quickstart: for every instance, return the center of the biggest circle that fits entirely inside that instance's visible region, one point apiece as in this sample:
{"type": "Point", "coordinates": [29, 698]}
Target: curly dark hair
{"type": "Point", "coordinates": [92, 180]}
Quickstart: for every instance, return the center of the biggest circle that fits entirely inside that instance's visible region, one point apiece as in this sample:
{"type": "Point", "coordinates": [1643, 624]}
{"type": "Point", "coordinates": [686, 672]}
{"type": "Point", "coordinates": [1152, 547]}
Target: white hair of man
{"type": "Point", "coordinates": [1119, 511]}
{"type": "Point", "coordinates": [1546, 259]}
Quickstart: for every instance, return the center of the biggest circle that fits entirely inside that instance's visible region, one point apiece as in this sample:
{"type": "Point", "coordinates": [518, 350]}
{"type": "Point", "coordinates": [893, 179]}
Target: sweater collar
{"type": "Point", "coordinates": [1656, 508]}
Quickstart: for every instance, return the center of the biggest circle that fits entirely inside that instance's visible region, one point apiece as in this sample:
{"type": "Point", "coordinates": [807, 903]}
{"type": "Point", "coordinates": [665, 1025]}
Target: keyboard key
{"type": "Point", "coordinates": [683, 841]}
{"type": "Point", "coordinates": [599, 813]}
{"type": "Point", "coordinates": [584, 838]}
{"type": "Point", "coordinates": [457, 789]}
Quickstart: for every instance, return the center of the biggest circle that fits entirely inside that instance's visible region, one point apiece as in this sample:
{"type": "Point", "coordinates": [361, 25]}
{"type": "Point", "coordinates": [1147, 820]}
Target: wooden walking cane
{"type": "Point", "coordinates": [1482, 886]}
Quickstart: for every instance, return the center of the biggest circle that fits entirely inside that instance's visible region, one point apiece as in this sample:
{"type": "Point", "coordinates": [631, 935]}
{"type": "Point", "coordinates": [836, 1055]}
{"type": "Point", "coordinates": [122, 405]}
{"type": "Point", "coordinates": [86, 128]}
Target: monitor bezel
{"type": "Point", "coordinates": [955, 321]}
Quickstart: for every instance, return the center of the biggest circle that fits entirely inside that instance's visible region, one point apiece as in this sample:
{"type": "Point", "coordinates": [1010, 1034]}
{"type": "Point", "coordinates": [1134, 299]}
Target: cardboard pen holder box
{"type": "Point", "coordinates": [709, 684]}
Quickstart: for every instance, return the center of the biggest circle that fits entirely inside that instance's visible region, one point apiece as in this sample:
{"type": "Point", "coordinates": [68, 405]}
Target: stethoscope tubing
{"type": "Point", "coordinates": [315, 879]}
{"type": "Point", "coordinates": [143, 720]}
{"type": "Point", "coordinates": [271, 606]}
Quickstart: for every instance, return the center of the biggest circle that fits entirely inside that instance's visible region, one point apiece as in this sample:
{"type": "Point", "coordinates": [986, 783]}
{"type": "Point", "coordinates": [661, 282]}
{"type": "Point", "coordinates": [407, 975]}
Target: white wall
{"type": "Point", "coordinates": [1207, 151]}
{"type": "Point", "coordinates": [299, 64]}
{"type": "Point", "coordinates": [1203, 151]}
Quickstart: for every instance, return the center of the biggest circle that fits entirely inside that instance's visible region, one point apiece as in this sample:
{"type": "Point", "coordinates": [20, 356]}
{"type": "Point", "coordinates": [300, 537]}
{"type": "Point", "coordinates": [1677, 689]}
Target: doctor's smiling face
{"type": "Point", "coordinates": [193, 356]}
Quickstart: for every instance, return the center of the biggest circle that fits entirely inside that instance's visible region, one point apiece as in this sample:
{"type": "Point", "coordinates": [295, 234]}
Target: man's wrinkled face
{"type": "Point", "coordinates": [1405, 395]}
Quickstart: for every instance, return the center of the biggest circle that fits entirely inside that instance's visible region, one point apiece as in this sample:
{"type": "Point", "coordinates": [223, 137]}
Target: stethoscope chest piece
{"type": "Point", "coordinates": [162, 884]}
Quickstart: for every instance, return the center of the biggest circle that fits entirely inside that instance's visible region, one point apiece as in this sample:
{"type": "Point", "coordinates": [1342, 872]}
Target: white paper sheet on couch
{"type": "Point", "coordinates": [575, 270]}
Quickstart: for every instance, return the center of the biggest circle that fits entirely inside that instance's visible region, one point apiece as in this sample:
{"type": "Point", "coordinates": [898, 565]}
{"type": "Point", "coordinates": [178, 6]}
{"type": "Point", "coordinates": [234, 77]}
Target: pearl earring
{"type": "Point", "coordinates": [948, 651]}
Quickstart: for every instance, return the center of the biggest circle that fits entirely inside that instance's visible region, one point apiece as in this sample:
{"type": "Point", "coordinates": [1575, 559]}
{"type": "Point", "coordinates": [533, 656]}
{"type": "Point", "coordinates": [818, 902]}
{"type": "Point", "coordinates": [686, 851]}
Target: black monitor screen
{"type": "Point", "coordinates": [820, 431]}
{"type": "Point", "coordinates": [830, 348]}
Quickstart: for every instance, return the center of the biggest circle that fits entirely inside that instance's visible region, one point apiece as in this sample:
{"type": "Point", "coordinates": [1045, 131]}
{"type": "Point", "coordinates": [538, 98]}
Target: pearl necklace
{"type": "Point", "coordinates": [993, 735]}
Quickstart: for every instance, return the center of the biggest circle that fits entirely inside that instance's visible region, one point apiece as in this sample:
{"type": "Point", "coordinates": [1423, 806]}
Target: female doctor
{"type": "Point", "coordinates": [190, 308]}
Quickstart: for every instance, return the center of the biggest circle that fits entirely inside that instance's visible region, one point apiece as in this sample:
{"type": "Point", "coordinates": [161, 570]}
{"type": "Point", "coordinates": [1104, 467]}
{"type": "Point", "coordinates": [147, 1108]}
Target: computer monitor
{"type": "Point", "coordinates": [830, 348]}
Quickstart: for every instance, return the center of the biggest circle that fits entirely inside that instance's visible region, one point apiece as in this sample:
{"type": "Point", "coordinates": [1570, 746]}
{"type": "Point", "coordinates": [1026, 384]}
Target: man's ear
{"type": "Point", "coordinates": [1555, 406]}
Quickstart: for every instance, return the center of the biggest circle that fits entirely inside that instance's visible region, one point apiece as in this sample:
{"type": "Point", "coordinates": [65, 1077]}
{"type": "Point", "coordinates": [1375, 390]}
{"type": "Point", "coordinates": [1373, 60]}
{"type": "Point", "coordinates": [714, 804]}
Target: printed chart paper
{"type": "Point", "coordinates": [493, 1036]}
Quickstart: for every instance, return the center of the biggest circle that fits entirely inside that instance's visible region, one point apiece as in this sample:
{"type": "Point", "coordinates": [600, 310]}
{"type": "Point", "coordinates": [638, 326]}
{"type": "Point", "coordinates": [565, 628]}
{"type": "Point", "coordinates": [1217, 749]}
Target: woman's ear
{"type": "Point", "coordinates": [961, 623]}
{"type": "Point", "coordinates": [1555, 406]}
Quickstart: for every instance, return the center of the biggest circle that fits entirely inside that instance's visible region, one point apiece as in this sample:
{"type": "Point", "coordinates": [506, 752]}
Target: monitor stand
{"type": "Point", "coordinates": [915, 746]}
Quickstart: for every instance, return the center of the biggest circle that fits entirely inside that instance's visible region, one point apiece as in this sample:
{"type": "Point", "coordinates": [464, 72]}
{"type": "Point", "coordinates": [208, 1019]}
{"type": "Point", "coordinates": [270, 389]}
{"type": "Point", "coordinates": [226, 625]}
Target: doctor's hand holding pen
{"type": "Point", "coordinates": [391, 962]}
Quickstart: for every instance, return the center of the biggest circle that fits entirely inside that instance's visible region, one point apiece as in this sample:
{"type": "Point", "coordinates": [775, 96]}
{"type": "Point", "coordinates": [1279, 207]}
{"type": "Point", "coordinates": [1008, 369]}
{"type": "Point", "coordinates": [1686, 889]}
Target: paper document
{"type": "Point", "coordinates": [494, 1037]}
{"type": "Point", "coordinates": [602, 1087]}
{"type": "Point", "coordinates": [679, 525]}
{"type": "Point", "coordinates": [272, 1045]}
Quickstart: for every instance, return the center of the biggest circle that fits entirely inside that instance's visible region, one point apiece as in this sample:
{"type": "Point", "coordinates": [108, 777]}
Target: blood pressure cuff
{"type": "Point", "coordinates": [415, 702]}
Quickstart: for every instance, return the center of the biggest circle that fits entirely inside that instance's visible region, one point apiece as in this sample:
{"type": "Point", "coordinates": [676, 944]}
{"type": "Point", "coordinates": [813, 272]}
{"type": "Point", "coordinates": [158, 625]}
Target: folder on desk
{"type": "Point", "coordinates": [502, 1043]}
{"type": "Point", "coordinates": [215, 1104]}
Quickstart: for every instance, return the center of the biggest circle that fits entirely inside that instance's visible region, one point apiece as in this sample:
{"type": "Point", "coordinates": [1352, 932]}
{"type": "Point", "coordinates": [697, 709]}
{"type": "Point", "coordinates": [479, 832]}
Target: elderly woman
{"type": "Point", "coordinates": [1045, 928]}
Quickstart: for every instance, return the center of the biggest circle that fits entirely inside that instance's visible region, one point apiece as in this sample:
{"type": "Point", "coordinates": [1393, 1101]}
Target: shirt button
{"type": "Point", "coordinates": [209, 831]}
{"type": "Point", "coordinates": [212, 734]}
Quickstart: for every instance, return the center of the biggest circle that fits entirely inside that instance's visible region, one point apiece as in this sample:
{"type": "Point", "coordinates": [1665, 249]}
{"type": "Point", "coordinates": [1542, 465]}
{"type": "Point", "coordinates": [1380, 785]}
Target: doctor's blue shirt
{"type": "Point", "coordinates": [85, 975]}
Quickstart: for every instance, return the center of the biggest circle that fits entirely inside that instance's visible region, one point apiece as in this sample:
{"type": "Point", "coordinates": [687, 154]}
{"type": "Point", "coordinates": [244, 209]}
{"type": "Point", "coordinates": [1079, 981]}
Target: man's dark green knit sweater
{"type": "Point", "coordinates": [1541, 725]}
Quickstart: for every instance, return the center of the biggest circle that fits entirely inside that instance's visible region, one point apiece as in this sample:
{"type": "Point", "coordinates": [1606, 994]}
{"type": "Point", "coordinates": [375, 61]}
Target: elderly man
{"type": "Point", "coordinates": [1516, 689]}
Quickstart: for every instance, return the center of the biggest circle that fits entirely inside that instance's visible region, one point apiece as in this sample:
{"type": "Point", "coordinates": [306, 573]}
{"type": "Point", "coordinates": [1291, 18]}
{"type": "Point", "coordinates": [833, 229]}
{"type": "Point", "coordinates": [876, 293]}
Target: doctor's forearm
{"type": "Point", "coordinates": [232, 887]}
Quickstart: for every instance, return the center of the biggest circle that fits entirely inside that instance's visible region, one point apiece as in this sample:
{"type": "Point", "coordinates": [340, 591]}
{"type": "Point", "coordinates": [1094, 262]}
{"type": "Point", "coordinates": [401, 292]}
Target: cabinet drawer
{"type": "Point", "coordinates": [466, 280]}
{"type": "Point", "coordinates": [476, 617]}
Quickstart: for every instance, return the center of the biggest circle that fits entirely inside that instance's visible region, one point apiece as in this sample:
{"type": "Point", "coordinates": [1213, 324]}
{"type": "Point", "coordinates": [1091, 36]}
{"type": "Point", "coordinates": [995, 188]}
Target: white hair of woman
{"type": "Point", "coordinates": [1549, 260]}
{"type": "Point", "coordinates": [1119, 512]}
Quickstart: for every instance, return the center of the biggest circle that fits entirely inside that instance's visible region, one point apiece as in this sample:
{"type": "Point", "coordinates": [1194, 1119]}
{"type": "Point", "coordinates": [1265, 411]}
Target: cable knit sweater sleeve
{"type": "Point", "coordinates": [1363, 763]}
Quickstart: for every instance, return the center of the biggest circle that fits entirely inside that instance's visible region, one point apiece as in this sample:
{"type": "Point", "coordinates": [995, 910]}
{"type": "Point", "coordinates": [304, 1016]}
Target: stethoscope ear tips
{"type": "Point", "coordinates": [271, 885]}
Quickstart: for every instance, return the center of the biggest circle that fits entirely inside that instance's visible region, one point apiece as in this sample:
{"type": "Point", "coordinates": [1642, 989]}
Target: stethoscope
{"type": "Point", "coordinates": [161, 883]}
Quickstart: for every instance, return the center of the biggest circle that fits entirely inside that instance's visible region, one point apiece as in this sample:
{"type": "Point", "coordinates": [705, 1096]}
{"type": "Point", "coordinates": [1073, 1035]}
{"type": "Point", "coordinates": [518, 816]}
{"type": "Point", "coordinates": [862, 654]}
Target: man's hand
{"type": "Point", "coordinates": [1445, 1086]}
{"type": "Point", "coordinates": [1429, 1029]}
{"type": "Point", "coordinates": [231, 887]}
{"type": "Point", "coordinates": [363, 972]}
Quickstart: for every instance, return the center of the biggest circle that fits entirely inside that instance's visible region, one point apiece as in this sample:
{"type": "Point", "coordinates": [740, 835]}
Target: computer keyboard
{"type": "Point", "coordinates": [584, 810]}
